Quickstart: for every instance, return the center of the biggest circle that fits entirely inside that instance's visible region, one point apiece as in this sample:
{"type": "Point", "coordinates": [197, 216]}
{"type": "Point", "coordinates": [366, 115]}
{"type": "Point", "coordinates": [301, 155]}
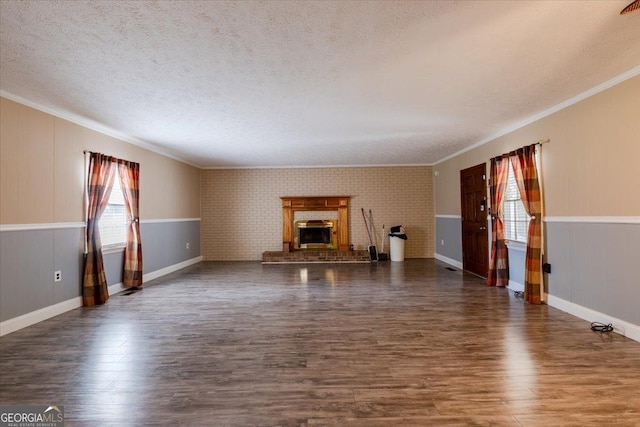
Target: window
{"type": "Point", "coordinates": [516, 220]}
{"type": "Point", "coordinates": [114, 220]}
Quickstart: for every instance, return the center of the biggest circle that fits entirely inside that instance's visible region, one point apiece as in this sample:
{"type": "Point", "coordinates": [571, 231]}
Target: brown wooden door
{"type": "Point", "coordinates": [473, 191]}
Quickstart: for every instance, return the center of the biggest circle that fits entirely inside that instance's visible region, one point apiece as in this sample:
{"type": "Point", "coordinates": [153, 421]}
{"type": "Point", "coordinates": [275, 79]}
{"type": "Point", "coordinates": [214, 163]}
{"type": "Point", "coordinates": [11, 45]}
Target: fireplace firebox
{"type": "Point", "coordinates": [315, 234]}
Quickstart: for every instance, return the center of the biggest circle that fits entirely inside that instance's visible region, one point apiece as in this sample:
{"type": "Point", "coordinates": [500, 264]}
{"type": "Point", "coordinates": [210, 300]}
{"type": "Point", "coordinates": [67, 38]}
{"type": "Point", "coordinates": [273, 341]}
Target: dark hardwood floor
{"type": "Point", "coordinates": [393, 344]}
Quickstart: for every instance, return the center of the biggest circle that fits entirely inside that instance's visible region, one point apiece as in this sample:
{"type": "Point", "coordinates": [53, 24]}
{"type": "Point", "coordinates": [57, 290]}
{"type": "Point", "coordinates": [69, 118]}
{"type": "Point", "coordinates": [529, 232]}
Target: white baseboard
{"type": "Point", "coordinates": [515, 286]}
{"type": "Point", "coordinates": [175, 267]}
{"type": "Point", "coordinates": [621, 327]}
{"type": "Point", "coordinates": [114, 289]}
{"type": "Point", "coordinates": [45, 313]}
{"type": "Point", "coordinates": [34, 317]}
{"type": "Point", "coordinates": [449, 261]}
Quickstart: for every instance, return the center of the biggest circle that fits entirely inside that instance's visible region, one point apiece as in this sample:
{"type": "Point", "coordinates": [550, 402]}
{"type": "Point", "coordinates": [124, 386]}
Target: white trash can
{"type": "Point", "coordinates": [397, 248]}
{"type": "Point", "coordinates": [396, 242]}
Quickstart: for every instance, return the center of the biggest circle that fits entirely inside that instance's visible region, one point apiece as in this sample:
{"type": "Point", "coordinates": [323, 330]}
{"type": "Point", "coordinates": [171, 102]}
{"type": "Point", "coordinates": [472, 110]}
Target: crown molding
{"type": "Point", "coordinates": [402, 165]}
{"type": "Point", "coordinates": [95, 126]}
{"type": "Point", "coordinates": [569, 102]}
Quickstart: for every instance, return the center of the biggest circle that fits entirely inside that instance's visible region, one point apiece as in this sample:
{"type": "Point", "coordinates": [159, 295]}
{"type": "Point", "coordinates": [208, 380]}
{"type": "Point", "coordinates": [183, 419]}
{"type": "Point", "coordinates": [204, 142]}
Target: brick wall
{"type": "Point", "coordinates": [242, 211]}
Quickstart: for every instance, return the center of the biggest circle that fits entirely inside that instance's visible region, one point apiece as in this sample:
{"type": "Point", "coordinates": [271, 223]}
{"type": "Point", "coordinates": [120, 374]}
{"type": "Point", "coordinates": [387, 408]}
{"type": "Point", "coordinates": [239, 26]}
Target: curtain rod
{"type": "Point", "coordinates": [540, 142]}
{"type": "Point", "coordinates": [114, 159]}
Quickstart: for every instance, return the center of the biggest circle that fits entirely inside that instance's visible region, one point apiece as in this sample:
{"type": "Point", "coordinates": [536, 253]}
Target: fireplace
{"type": "Point", "coordinates": [315, 234]}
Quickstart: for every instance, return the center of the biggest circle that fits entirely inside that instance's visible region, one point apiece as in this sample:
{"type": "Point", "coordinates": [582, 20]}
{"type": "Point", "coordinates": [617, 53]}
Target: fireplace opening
{"type": "Point", "coordinates": [315, 234]}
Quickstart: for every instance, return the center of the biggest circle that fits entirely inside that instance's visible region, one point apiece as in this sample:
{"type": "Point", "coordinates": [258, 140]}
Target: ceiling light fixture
{"type": "Point", "coordinates": [635, 5]}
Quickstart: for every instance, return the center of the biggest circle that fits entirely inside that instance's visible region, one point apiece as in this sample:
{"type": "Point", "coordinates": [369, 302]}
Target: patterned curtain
{"type": "Point", "coordinates": [101, 175]}
{"type": "Point", "coordinates": [499, 261]}
{"type": "Point", "coordinates": [526, 175]}
{"type": "Point", "coordinates": [130, 182]}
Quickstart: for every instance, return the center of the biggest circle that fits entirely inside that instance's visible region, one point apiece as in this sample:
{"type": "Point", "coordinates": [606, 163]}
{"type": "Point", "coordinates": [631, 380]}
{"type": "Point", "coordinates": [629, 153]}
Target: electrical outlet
{"type": "Point", "coordinates": [57, 276]}
{"type": "Point", "coordinates": [188, 245]}
{"type": "Point", "coordinates": [442, 242]}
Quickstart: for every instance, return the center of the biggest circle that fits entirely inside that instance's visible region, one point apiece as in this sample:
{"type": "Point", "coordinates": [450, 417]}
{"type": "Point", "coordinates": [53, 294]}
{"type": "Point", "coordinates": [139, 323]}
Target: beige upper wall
{"type": "Point", "coordinates": [242, 210]}
{"type": "Point", "coordinates": [42, 170]}
{"type": "Point", "coordinates": [590, 167]}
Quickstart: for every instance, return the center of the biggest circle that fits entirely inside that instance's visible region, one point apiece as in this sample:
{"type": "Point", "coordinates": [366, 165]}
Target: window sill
{"type": "Point", "coordinates": [113, 249]}
{"type": "Point", "coordinates": [516, 246]}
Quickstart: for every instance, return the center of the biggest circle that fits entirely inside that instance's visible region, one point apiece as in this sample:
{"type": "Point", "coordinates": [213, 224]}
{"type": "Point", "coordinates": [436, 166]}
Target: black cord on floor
{"type": "Point", "coordinates": [601, 327]}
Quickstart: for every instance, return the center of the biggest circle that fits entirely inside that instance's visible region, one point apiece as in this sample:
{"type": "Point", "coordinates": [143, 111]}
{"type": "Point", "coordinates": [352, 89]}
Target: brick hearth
{"type": "Point", "coordinates": [301, 257]}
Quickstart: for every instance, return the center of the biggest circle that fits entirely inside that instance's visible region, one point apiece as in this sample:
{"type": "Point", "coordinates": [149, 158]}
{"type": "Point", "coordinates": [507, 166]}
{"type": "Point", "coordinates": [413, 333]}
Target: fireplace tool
{"type": "Point", "coordinates": [373, 253]}
{"type": "Point", "coordinates": [381, 255]}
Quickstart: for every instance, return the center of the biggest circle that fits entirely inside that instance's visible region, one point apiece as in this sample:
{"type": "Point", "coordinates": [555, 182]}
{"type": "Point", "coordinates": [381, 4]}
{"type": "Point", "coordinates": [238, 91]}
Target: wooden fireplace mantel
{"type": "Point", "coordinates": [291, 204]}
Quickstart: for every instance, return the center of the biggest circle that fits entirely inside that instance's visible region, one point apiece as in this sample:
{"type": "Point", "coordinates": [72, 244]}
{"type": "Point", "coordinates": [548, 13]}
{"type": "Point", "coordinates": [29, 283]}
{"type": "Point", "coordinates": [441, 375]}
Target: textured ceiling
{"type": "Point", "coordinates": [294, 83]}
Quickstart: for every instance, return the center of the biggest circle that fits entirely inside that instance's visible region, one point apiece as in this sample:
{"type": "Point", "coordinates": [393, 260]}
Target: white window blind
{"type": "Point", "coordinates": [113, 222]}
{"type": "Point", "coordinates": [516, 220]}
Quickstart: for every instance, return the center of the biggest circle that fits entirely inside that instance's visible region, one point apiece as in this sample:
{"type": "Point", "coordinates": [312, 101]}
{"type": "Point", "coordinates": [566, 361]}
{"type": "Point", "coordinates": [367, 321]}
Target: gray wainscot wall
{"type": "Point", "coordinates": [516, 265]}
{"type": "Point", "coordinates": [595, 265]}
{"type": "Point", "coordinates": [449, 237]}
{"type": "Point", "coordinates": [449, 245]}
{"type": "Point", "coordinates": [29, 258]}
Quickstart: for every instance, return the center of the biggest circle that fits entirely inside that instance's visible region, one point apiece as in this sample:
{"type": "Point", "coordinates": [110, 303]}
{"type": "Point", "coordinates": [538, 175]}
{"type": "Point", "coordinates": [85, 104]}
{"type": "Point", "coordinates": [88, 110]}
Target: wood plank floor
{"type": "Point", "coordinates": [240, 343]}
